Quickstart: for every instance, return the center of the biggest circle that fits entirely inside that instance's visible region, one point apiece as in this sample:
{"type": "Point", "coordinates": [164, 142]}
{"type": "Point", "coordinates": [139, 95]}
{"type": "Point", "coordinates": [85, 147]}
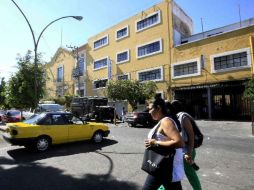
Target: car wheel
{"type": "Point", "coordinates": [97, 137]}
{"type": "Point", "coordinates": [133, 124]}
{"type": "Point", "coordinates": [42, 144]}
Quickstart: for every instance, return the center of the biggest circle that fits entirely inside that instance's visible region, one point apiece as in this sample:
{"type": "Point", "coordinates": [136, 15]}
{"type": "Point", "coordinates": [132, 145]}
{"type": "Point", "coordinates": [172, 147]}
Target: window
{"type": "Point", "coordinates": [60, 74]}
{"type": "Point", "coordinates": [101, 63]}
{"type": "Point", "coordinates": [101, 42]}
{"type": "Point", "coordinates": [231, 60]}
{"type": "Point", "coordinates": [149, 49]}
{"type": "Point", "coordinates": [186, 68]}
{"type": "Point", "coordinates": [58, 120]}
{"type": "Point", "coordinates": [149, 21]}
{"type": "Point", "coordinates": [81, 64]}
{"type": "Point", "coordinates": [123, 77]}
{"type": "Point", "coordinates": [122, 57]}
{"type": "Point", "coordinates": [155, 74]}
{"type": "Point", "coordinates": [100, 83]}
{"type": "Point", "coordinates": [122, 33]}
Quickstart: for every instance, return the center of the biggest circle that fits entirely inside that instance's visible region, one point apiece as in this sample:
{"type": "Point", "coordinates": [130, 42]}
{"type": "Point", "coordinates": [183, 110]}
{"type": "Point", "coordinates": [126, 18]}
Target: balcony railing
{"type": "Point", "coordinates": [76, 72]}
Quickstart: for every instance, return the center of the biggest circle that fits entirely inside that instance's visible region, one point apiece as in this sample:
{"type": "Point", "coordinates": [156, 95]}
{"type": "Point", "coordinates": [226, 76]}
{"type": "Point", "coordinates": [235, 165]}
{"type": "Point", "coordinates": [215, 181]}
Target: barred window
{"type": "Point", "coordinates": [123, 77]}
{"type": "Point", "coordinates": [122, 33]}
{"type": "Point", "coordinates": [148, 22]}
{"type": "Point", "coordinates": [123, 56]}
{"type": "Point", "coordinates": [100, 63]}
{"type": "Point", "coordinates": [230, 61]}
{"type": "Point", "coordinates": [100, 83]}
{"type": "Point", "coordinates": [148, 49]}
{"type": "Point", "coordinates": [101, 42]}
{"type": "Point", "coordinates": [185, 69]}
{"type": "Point", "coordinates": [155, 74]}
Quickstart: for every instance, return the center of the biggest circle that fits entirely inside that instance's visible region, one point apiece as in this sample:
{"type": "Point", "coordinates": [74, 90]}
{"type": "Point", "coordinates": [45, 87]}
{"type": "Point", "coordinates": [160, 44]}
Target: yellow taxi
{"type": "Point", "coordinates": [42, 130]}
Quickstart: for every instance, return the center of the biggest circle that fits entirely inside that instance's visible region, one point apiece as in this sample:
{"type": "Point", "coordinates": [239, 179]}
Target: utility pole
{"type": "Point", "coordinates": [36, 44]}
{"type": "Point", "coordinates": [76, 73]}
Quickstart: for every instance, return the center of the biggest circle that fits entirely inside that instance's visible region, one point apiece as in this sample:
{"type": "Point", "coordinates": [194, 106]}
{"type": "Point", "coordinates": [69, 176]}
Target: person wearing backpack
{"type": "Point", "coordinates": [187, 123]}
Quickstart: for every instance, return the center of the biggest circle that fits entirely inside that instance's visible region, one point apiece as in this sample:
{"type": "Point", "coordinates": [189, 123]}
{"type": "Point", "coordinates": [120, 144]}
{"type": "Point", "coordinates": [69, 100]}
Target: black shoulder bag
{"type": "Point", "coordinates": [158, 161]}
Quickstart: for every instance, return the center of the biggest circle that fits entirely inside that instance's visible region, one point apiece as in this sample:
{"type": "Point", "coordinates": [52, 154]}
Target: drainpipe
{"type": "Point", "coordinates": [252, 63]}
{"type": "Point", "coordinates": [251, 53]}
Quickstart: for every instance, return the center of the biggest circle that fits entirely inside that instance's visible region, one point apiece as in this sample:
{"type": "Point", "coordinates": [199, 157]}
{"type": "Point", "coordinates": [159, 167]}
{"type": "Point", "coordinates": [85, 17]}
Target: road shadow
{"type": "Point", "coordinates": [24, 155]}
{"type": "Point", "coordinates": [31, 176]}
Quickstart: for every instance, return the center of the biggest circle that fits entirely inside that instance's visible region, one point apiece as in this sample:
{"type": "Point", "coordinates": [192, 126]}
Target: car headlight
{"type": "Point", "coordinates": [14, 132]}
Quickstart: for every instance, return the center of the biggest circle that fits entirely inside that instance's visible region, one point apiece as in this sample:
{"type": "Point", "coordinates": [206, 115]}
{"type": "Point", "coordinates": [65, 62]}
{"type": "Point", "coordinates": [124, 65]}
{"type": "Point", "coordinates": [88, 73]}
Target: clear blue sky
{"type": "Point", "coordinates": [16, 38]}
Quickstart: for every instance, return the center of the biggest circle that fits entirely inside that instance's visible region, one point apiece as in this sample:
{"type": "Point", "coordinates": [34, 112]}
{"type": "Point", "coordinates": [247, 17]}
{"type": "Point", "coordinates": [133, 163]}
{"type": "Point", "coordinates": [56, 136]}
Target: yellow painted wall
{"type": "Point", "coordinates": [214, 45]}
{"type": "Point", "coordinates": [134, 39]}
{"type": "Point", "coordinates": [65, 58]}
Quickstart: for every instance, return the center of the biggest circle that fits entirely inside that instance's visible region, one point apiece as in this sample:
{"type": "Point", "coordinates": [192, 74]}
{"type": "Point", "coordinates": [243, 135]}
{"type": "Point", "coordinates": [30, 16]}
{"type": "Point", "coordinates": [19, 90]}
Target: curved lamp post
{"type": "Point", "coordinates": [36, 42]}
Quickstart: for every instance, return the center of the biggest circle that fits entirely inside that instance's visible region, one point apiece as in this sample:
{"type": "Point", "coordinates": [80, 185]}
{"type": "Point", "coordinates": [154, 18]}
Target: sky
{"type": "Point", "coordinates": [16, 37]}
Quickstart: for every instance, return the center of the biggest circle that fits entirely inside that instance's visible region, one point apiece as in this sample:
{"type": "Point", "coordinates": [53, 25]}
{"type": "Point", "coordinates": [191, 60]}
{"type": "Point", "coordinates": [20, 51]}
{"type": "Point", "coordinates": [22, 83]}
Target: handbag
{"type": "Point", "coordinates": [158, 160]}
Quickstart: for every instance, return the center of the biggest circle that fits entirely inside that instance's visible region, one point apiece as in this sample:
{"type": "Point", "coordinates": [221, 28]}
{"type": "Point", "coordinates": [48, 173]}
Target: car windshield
{"type": "Point", "coordinates": [13, 113]}
{"type": "Point", "coordinates": [35, 119]}
{"type": "Point", "coordinates": [51, 107]}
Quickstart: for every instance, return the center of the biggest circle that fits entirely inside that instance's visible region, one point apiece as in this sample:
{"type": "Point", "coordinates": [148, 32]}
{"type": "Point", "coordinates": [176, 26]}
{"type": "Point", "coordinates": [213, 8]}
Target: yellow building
{"type": "Point", "coordinates": [59, 81]}
{"type": "Point", "coordinates": [138, 48]}
{"type": "Point", "coordinates": [206, 71]}
{"type": "Point", "coordinates": [209, 69]}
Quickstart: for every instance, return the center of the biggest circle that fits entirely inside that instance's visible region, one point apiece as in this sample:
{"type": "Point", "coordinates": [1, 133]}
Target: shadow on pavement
{"type": "Point", "coordinates": [24, 155]}
{"type": "Point", "coordinates": [31, 176]}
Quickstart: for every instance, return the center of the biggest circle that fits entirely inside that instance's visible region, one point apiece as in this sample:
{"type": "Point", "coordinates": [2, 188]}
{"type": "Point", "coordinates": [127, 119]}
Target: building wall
{"type": "Point", "coordinates": [62, 58]}
{"type": "Point", "coordinates": [231, 41]}
{"type": "Point", "coordinates": [134, 65]}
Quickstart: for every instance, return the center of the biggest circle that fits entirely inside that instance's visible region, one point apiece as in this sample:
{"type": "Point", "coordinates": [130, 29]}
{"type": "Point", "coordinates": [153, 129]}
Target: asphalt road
{"type": "Point", "coordinates": [226, 161]}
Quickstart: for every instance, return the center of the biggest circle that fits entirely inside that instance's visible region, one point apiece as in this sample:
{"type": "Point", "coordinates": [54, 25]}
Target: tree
{"type": "Point", "coordinates": [249, 90]}
{"type": "Point", "coordinates": [21, 86]}
{"type": "Point", "coordinates": [132, 91]}
{"type": "Point", "coordinates": [2, 93]}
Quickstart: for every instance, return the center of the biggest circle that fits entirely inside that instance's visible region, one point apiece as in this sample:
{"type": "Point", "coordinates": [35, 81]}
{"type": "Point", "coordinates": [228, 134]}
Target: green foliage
{"type": "Point", "coordinates": [249, 90]}
{"type": "Point", "coordinates": [21, 91]}
{"type": "Point", "coordinates": [2, 93]}
{"type": "Point", "coordinates": [132, 91]}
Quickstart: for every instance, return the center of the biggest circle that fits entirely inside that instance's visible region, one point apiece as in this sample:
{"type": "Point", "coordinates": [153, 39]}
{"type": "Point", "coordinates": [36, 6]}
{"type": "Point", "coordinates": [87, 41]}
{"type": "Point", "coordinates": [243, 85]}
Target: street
{"type": "Point", "coordinates": [226, 161]}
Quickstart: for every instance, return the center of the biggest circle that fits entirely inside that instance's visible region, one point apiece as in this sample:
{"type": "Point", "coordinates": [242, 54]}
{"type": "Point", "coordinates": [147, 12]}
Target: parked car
{"type": "Point", "coordinates": [139, 117]}
{"type": "Point", "coordinates": [48, 128]}
{"type": "Point", "coordinates": [2, 112]}
{"type": "Point", "coordinates": [102, 113]}
{"type": "Point", "coordinates": [12, 116]}
{"type": "Point", "coordinates": [49, 108]}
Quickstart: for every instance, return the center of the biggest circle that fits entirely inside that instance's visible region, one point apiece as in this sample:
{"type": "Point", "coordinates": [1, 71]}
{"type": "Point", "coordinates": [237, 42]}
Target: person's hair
{"type": "Point", "coordinates": [167, 109]}
{"type": "Point", "coordinates": [159, 103]}
{"type": "Point", "coordinates": [177, 106]}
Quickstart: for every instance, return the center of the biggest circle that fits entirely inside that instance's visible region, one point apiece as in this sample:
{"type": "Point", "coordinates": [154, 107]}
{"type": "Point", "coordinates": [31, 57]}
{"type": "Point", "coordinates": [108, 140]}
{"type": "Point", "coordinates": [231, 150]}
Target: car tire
{"type": "Point", "coordinates": [133, 125]}
{"type": "Point", "coordinates": [97, 137]}
{"type": "Point", "coordinates": [42, 144]}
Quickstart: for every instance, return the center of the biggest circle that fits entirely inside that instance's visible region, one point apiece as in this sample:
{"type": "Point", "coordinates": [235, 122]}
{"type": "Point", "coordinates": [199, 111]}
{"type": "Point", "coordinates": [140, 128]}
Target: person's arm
{"type": "Point", "coordinates": [168, 128]}
{"type": "Point", "coordinates": [187, 125]}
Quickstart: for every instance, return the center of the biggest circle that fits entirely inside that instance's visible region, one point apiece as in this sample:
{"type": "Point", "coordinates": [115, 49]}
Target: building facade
{"type": "Point", "coordinates": [207, 71]}
{"type": "Point", "coordinates": [59, 81]}
{"type": "Point", "coordinates": [139, 48]}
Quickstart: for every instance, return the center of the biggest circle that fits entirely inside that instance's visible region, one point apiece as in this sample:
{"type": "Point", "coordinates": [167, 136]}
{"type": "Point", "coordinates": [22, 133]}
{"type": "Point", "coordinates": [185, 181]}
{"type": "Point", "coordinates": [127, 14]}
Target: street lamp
{"type": "Point", "coordinates": [36, 42]}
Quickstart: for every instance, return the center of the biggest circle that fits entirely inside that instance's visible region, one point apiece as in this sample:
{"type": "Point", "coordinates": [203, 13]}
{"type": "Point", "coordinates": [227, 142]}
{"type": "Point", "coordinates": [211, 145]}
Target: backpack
{"type": "Point", "coordinates": [198, 136]}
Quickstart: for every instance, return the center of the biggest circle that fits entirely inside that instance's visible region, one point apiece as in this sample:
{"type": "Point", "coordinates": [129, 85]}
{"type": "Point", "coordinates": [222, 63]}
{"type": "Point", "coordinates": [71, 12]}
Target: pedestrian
{"type": "Point", "coordinates": [166, 136]}
{"type": "Point", "coordinates": [188, 150]}
{"type": "Point", "coordinates": [178, 167]}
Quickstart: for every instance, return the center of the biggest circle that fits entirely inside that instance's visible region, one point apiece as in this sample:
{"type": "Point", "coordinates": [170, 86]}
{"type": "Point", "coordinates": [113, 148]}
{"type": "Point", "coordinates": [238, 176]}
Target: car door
{"type": "Point", "coordinates": [79, 130]}
{"type": "Point", "coordinates": [56, 127]}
